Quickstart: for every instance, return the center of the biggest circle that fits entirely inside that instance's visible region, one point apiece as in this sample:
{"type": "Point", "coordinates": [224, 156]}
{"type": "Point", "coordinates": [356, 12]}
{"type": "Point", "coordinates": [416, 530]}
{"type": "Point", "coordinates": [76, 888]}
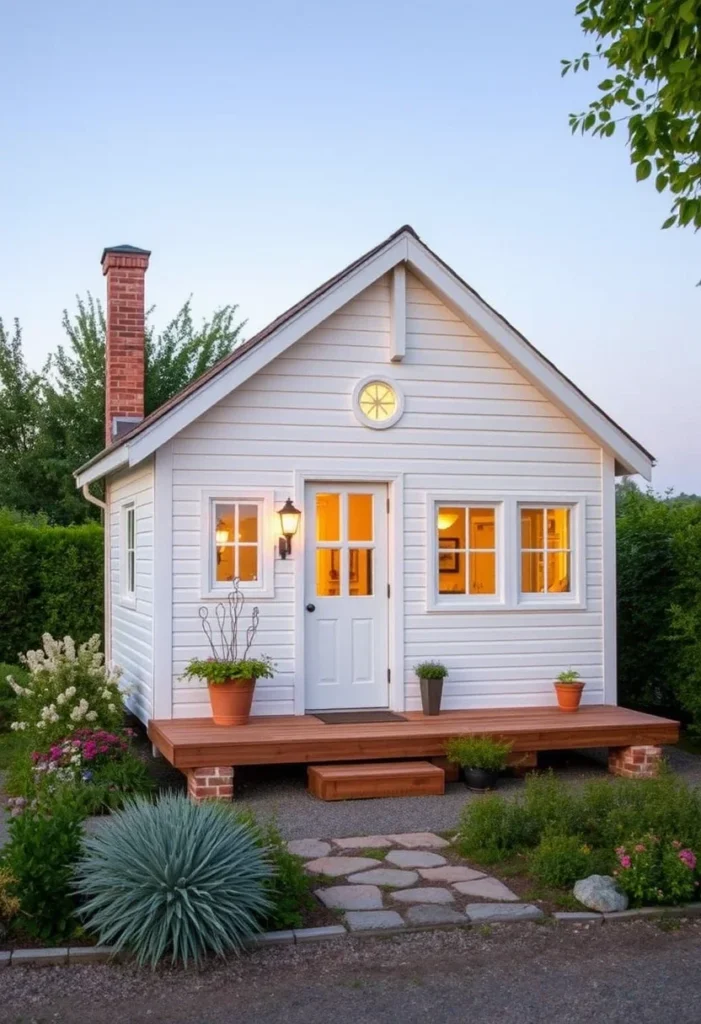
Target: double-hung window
{"type": "Point", "coordinates": [465, 553]}
{"type": "Point", "coordinates": [129, 552]}
{"type": "Point", "coordinates": [236, 543]}
{"type": "Point", "coordinates": [546, 549]}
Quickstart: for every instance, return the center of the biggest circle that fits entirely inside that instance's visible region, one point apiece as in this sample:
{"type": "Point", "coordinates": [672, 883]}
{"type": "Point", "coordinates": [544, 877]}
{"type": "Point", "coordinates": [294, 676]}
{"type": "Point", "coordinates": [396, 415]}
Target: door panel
{"type": "Point", "coordinates": [346, 596]}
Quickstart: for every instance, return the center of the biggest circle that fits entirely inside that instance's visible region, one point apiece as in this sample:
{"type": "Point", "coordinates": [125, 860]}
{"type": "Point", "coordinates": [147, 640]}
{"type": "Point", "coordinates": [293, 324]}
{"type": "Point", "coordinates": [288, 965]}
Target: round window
{"type": "Point", "coordinates": [377, 402]}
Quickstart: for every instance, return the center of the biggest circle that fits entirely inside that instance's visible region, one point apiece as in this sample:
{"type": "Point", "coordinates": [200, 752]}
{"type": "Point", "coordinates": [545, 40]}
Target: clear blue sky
{"type": "Point", "coordinates": [258, 148]}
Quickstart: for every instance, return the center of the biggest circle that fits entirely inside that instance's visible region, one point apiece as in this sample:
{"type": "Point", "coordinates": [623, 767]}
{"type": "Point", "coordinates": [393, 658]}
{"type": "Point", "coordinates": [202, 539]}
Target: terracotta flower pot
{"type": "Point", "coordinates": [569, 695]}
{"type": "Point", "coordinates": [231, 701]}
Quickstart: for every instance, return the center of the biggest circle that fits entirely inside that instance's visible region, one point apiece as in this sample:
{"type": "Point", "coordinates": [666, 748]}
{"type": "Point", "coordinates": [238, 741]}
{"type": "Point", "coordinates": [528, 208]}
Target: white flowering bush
{"type": "Point", "coordinates": [69, 688]}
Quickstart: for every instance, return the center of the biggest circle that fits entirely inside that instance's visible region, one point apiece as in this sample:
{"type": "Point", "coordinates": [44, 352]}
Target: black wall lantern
{"type": "Point", "coordinates": [289, 524]}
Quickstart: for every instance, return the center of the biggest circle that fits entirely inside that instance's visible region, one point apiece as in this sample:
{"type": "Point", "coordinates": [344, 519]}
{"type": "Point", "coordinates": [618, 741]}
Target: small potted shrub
{"type": "Point", "coordinates": [568, 688]}
{"type": "Point", "coordinates": [431, 675]}
{"type": "Point", "coordinates": [481, 758]}
{"type": "Point", "coordinates": [231, 679]}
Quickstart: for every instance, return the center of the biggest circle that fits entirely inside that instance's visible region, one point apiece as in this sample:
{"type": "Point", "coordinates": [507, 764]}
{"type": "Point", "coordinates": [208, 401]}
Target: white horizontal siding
{"type": "Point", "coordinates": [131, 628]}
{"type": "Point", "coordinates": [472, 424]}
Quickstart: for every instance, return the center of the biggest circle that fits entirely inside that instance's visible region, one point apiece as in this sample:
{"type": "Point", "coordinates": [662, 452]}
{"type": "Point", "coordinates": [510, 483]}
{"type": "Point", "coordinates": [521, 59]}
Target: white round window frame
{"type": "Point", "coordinates": [360, 415]}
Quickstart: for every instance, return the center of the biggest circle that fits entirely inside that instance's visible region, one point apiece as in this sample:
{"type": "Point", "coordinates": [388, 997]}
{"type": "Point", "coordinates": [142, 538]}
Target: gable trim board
{"type": "Point", "coordinates": [404, 248]}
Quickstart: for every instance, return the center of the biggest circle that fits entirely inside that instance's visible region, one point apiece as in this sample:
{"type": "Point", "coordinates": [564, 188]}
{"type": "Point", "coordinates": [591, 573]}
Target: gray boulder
{"type": "Point", "coordinates": [600, 892]}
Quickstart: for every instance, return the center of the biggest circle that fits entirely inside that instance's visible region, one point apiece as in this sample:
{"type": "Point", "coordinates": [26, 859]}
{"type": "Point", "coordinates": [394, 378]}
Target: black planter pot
{"type": "Point", "coordinates": [431, 693]}
{"type": "Point", "coordinates": [478, 779]}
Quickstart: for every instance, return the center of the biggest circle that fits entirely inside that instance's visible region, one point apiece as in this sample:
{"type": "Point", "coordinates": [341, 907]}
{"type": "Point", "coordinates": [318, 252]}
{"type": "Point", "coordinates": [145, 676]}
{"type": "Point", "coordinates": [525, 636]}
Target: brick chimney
{"type": "Point", "coordinates": [125, 267]}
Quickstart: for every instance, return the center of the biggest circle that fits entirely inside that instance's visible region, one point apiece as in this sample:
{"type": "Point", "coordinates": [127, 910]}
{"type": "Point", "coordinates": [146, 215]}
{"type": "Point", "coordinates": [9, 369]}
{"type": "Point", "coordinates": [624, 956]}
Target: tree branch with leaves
{"type": "Point", "coordinates": [653, 49]}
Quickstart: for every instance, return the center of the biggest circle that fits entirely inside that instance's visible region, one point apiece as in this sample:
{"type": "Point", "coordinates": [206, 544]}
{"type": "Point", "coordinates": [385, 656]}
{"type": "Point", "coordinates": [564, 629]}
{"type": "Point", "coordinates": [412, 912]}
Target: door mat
{"type": "Point", "coordinates": [357, 717]}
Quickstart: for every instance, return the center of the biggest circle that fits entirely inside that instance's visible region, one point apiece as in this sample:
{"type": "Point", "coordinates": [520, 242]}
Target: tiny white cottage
{"type": "Point", "coordinates": [455, 491]}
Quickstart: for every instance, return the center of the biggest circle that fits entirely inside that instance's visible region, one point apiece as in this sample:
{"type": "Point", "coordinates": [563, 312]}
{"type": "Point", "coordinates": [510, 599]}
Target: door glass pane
{"type": "Point", "coordinates": [328, 517]}
{"type": "Point", "coordinates": [532, 535]}
{"type": "Point", "coordinates": [225, 564]}
{"type": "Point", "coordinates": [558, 527]}
{"type": "Point", "coordinates": [532, 572]}
{"type": "Point", "coordinates": [360, 572]}
{"type": "Point", "coordinates": [483, 573]}
{"type": "Point", "coordinates": [482, 528]}
{"type": "Point", "coordinates": [224, 524]}
{"type": "Point", "coordinates": [328, 572]}
{"type": "Point", "coordinates": [248, 524]}
{"type": "Point", "coordinates": [360, 517]}
{"type": "Point", "coordinates": [558, 572]}
{"type": "Point", "coordinates": [248, 563]}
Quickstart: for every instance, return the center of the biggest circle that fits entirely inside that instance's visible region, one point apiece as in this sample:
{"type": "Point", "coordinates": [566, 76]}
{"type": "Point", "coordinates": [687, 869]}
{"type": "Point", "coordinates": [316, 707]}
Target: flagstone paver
{"type": "Point", "coordinates": [415, 859]}
{"type": "Point", "coordinates": [450, 873]}
{"type": "Point", "coordinates": [424, 894]}
{"type": "Point", "coordinates": [351, 897]}
{"type": "Point", "coordinates": [373, 920]}
{"type": "Point", "coordinates": [385, 876]}
{"type": "Point", "coordinates": [363, 843]}
{"type": "Point", "coordinates": [487, 888]}
{"type": "Point", "coordinates": [309, 848]}
{"type": "Point", "coordinates": [419, 840]}
{"type": "Point", "coordinates": [334, 867]}
{"type": "Point", "coordinates": [485, 912]}
{"type": "Point", "coordinates": [433, 914]}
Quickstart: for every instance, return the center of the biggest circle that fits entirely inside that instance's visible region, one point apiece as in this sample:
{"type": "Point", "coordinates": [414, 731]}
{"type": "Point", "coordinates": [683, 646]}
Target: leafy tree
{"type": "Point", "coordinates": [654, 48]}
{"type": "Point", "coordinates": [51, 422]}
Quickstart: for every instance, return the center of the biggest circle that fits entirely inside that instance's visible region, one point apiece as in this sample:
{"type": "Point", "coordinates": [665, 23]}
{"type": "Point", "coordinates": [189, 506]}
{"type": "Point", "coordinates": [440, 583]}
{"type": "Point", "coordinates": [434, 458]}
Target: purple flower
{"type": "Point", "coordinates": [688, 857]}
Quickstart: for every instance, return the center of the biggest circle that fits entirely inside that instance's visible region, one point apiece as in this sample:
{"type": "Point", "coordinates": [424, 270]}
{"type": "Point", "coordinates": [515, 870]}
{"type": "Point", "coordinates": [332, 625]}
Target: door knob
{"type": "Point", "coordinates": [311, 607]}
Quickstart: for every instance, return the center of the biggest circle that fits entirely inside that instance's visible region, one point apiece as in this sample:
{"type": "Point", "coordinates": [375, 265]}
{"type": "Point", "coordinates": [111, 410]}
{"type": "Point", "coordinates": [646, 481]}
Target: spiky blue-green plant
{"type": "Point", "coordinates": [173, 877]}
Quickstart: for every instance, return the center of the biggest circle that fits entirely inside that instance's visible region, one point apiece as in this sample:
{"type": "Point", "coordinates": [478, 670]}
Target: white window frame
{"type": "Point", "coordinates": [464, 602]}
{"type": "Point", "coordinates": [575, 597]}
{"type": "Point", "coordinates": [127, 592]}
{"type": "Point", "coordinates": [264, 586]}
{"type": "Point", "coordinates": [508, 553]}
{"type": "Point", "coordinates": [399, 396]}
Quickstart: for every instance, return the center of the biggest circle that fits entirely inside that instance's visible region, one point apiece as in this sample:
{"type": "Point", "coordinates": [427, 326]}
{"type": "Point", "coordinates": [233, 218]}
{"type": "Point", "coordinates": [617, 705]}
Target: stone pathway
{"type": "Point", "coordinates": [385, 882]}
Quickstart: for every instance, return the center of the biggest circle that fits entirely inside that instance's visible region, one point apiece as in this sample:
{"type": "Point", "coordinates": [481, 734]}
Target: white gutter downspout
{"type": "Point", "coordinates": [107, 630]}
{"type": "Point", "coordinates": [92, 499]}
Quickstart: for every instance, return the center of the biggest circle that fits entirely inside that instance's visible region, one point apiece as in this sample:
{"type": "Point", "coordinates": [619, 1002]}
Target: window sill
{"type": "Point", "coordinates": [496, 604]}
{"type": "Point", "coordinates": [252, 594]}
{"type": "Point", "coordinates": [549, 604]}
{"type": "Point", "coordinates": [127, 600]}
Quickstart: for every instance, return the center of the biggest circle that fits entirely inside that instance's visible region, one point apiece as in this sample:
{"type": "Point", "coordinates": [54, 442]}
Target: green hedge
{"type": "Point", "coordinates": [51, 580]}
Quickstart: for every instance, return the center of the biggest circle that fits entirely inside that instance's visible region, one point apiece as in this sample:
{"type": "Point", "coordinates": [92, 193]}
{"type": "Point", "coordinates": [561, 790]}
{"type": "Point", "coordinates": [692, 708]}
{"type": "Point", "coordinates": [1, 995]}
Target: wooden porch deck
{"type": "Point", "coordinates": [198, 743]}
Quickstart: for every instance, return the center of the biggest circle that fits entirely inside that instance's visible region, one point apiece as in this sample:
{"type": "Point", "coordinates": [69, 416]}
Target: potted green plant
{"type": "Point", "coordinates": [231, 678]}
{"type": "Point", "coordinates": [431, 675]}
{"type": "Point", "coordinates": [568, 688]}
{"type": "Point", "coordinates": [481, 759]}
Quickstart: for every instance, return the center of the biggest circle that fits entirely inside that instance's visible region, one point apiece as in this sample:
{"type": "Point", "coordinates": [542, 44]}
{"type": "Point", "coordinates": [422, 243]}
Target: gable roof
{"type": "Point", "coordinates": [403, 246]}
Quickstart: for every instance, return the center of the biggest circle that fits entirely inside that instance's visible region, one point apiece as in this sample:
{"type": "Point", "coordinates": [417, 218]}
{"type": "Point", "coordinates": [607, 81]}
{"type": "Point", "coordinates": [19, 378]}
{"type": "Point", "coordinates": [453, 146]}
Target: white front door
{"type": "Point", "coordinates": [346, 596]}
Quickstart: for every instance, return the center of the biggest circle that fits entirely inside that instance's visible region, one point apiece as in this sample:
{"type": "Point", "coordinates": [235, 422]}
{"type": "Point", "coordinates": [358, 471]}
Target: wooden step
{"type": "Point", "coordinates": [364, 781]}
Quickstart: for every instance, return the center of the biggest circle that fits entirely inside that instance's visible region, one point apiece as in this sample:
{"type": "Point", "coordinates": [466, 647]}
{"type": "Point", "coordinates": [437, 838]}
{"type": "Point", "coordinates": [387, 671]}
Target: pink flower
{"type": "Point", "coordinates": [620, 850]}
{"type": "Point", "coordinates": [624, 861]}
{"type": "Point", "coordinates": [688, 858]}
{"type": "Point", "coordinates": [676, 844]}
{"type": "Point", "coordinates": [640, 848]}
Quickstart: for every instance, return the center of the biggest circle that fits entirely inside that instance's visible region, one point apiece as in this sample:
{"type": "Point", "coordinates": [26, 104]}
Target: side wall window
{"type": "Point", "coordinates": [129, 552]}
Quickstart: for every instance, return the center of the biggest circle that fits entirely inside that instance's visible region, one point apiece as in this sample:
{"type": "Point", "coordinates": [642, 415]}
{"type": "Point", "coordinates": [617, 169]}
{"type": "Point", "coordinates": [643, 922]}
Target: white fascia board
{"type": "Point", "coordinates": [260, 355]}
{"type": "Point", "coordinates": [115, 460]}
{"type": "Point", "coordinates": [527, 360]}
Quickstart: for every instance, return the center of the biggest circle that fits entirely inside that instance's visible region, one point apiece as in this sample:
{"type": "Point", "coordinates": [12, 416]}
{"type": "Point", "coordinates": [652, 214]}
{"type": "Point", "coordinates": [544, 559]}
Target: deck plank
{"type": "Point", "coordinates": [198, 743]}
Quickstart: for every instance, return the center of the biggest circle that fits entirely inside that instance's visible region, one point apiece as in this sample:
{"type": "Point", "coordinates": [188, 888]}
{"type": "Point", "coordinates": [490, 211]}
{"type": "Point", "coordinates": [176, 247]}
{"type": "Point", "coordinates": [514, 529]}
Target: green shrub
{"type": "Point", "coordinates": [655, 870]}
{"type": "Point", "coordinates": [289, 887]}
{"type": "Point", "coordinates": [51, 580]}
{"type": "Point", "coordinates": [550, 805]}
{"type": "Point", "coordinates": [560, 860]}
{"type": "Point", "coordinates": [478, 752]}
{"type": "Point", "coordinates": [492, 829]}
{"type": "Point", "coordinates": [174, 877]}
{"type": "Point", "coordinates": [68, 689]}
{"type": "Point", "coordinates": [41, 854]}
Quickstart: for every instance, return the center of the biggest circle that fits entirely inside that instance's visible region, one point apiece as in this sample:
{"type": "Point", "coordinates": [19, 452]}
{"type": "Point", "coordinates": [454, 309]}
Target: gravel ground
{"type": "Point", "coordinates": [509, 974]}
